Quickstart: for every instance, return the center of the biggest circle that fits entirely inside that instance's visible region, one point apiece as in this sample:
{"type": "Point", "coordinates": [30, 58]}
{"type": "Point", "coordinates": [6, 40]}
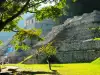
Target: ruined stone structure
{"type": "Point", "coordinates": [74, 39]}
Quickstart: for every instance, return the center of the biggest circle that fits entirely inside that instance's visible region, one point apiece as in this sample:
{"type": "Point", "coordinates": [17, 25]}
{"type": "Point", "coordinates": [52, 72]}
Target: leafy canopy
{"type": "Point", "coordinates": [11, 11]}
{"type": "Point", "coordinates": [51, 11]}
{"type": "Point", "coordinates": [22, 35]}
{"type": "Point", "coordinates": [48, 49]}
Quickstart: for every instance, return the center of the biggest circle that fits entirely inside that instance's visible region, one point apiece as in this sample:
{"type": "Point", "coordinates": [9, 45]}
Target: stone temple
{"type": "Point", "coordinates": [75, 39]}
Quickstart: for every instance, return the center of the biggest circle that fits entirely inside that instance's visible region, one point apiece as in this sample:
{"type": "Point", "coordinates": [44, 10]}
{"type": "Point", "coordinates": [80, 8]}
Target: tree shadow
{"type": "Point", "coordinates": [52, 59]}
{"type": "Point", "coordinates": [54, 72]}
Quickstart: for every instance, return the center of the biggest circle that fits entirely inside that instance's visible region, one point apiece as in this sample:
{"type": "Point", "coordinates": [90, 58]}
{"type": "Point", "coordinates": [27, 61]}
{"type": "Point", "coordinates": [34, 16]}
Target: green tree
{"type": "Point", "coordinates": [22, 35]}
{"type": "Point", "coordinates": [11, 11]}
{"type": "Point", "coordinates": [51, 11]}
{"type": "Point", "coordinates": [48, 50]}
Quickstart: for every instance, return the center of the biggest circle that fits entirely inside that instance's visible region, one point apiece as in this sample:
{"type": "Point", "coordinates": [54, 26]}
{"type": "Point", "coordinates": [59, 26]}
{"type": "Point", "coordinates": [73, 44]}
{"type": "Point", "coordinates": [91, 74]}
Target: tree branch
{"type": "Point", "coordinates": [12, 30]}
{"type": "Point", "coordinates": [17, 14]}
{"type": "Point", "coordinates": [1, 16]}
{"type": "Point", "coordinates": [3, 24]}
{"type": "Point", "coordinates": [31, 11]}
{"type": "Point", "coordinates": [36, 4]}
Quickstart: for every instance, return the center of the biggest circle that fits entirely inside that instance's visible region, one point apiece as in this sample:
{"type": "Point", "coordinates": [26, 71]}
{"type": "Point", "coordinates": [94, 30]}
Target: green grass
{"type": "Point", "coordinates": [65, 69]}
{"type": "Point", "coordinates": [78, 69]}
{"type": "Point", "coordinates": [97, 61]}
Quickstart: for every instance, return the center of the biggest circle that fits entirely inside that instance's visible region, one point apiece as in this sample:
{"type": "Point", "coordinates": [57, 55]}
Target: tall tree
{"type": "Point", "coordinates": [49, 51]}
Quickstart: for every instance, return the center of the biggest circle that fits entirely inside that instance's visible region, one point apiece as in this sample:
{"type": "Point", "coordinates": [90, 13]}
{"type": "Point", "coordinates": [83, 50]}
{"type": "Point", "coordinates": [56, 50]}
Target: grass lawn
{"type": "Point", "coordinates": [65, 69]}
{"type": "Point", "coordinates": [78, 69]}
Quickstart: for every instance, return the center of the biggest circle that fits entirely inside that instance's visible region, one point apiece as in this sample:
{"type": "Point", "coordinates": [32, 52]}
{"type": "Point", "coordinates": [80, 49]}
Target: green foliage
{"type": "Point", "coordinates": [74, 0]}
{"type": "Point", "coordinates": [1, 43]}
{"type": "Point", "coordinates": [96, 39]}
{"type": "Point", "coordinates": [51, 11]}
{"type": "Point", "coordinates": [11, 11]}
{"type": "Point", "coordinates": [25, 34]}
{"type": "Point", "coordinates": [8, 9]}
{"type": "Point", "coordinates": [12, 25]}
{"type": "Point", "coordinates": [96, 28]}
{"type": "Point", "coordinates": [48, 49]}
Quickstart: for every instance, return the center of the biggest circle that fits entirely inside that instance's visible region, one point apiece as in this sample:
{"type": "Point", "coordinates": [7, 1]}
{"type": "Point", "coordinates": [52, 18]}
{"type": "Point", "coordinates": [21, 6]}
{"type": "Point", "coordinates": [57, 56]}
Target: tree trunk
{"type": "Point", "coordinates": [49, 64]}
{"type": "Point", "coordinates": [2, 25]}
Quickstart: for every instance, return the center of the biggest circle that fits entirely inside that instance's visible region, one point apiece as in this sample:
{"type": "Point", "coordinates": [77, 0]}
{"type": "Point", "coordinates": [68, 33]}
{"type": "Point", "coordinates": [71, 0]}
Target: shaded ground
{"type": "Point", "coordinates": [63, 69]}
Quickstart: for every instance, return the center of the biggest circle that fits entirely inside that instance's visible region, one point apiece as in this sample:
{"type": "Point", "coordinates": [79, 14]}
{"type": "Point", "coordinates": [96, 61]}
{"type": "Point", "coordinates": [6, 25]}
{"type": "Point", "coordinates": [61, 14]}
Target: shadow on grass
{"type": "Point", "coordinates": [54, 72]}
{"type": "Point", "coordinates": [14, 72]}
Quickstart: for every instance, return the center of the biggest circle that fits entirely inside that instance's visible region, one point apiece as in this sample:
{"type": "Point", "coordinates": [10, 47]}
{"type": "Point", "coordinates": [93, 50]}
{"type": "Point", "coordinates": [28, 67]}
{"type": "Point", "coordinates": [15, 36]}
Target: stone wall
{"type": "Point", "coordinates": [74, 39]}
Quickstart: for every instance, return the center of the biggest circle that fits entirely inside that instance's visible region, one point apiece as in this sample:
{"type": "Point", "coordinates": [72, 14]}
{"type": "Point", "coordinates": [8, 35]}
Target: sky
{"type": "Point", "coordinates": [26, 15]}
